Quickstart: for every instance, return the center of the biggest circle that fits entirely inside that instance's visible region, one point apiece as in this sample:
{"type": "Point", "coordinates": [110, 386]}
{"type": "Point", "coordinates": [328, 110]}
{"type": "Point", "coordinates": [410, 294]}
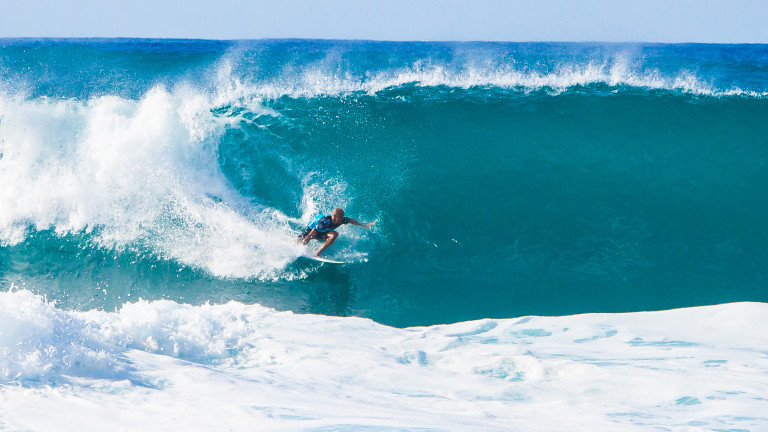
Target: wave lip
{"type": "Point", "coordinates": [686, 367]}
{"type": "Point", "coordinates": [139, 175]}
{"type": "Point", "coordinates": [337, 79]}
{"type": "Point", "coordinates": [318, 84]}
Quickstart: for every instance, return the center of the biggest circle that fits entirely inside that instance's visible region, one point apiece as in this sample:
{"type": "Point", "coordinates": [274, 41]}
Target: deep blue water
{"type": "Point", "coordinates": [507, 179]}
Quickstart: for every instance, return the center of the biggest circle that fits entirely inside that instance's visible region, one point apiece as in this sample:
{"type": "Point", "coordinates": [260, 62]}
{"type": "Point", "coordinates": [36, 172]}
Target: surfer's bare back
{"type": "Point", "coordinates": [323, 226]}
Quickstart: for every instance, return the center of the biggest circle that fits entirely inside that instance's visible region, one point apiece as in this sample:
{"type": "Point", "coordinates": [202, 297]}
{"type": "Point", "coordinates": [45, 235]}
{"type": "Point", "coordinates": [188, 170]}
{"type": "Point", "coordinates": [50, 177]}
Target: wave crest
{"type": "Point", "coordinates": [335, 78]}
{"type": "Point", "coordinates": [134, 174]}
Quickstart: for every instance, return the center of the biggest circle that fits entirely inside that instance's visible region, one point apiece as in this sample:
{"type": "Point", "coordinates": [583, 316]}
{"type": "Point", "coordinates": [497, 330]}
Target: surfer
{"type": "Point", "coordinates": [323, 226]}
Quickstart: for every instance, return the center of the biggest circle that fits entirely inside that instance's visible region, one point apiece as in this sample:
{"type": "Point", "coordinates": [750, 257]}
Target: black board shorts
{"type": "Point", "coordinates": [322, 236]}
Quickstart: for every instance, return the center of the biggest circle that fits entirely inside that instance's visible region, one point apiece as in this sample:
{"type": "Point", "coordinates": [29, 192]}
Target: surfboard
{"type": "Point", "coordinates": [325, 260]}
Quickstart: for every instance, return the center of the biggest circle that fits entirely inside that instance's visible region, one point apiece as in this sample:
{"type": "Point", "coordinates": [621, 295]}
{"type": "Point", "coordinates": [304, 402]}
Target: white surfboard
{"type": "Point", "coordinates": [325, 260]}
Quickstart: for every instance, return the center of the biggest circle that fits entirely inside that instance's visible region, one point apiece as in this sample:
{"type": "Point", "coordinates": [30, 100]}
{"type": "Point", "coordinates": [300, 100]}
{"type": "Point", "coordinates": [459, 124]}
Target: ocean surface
{"type": "Point", "coordinates": [528, 197]}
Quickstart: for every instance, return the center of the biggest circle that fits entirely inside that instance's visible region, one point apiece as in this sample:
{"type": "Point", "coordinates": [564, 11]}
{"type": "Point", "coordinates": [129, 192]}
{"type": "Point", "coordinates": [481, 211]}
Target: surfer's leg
{"type": "Point", "coordinates": [330, 237]}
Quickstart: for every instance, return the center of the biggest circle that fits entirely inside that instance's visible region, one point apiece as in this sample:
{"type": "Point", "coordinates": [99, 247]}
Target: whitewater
{"type": "Point", "coordinates": [168, 366]}
{"type": "Point", "coordinates": [569, 236]}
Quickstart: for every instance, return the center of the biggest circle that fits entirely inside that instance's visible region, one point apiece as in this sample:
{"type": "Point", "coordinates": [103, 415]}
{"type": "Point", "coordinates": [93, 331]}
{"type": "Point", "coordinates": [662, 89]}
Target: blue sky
{"type": "Point", "coordinates": [733, 21]}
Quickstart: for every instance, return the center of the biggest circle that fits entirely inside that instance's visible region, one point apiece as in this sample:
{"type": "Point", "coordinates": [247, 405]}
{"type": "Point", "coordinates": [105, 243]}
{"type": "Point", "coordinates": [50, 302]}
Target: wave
{"type": "Point", "coordinates": [614, 371]}
{"type": "Point", "coordinates": [195, 173]}
{"type": "Point", "coordinates": [138, 175]}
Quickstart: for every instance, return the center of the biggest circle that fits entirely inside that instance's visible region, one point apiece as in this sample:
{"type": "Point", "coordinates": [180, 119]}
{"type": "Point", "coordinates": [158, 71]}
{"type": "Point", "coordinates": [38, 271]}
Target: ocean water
{"type": "Point", "coordinates": [152, 191]}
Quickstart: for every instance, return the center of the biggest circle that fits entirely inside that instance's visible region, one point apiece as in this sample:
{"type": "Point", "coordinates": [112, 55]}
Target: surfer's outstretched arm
{"type": "Point", "coordinates": [366, 226]}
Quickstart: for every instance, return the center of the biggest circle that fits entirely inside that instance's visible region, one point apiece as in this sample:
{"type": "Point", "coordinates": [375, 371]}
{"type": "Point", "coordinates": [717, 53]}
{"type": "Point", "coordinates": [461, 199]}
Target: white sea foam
{"type": "Point", "coordinates": [134, 174]}
{"type": "Point", "coordinates": [614, 74]}
{"type": "Point", "coordinates": [326, 78]}
{"type": "Point", "coordinates": [168, 366]}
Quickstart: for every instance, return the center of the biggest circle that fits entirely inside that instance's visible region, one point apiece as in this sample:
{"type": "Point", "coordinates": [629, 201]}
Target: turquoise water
{"type": "Point", "coordinates": [507, 179]}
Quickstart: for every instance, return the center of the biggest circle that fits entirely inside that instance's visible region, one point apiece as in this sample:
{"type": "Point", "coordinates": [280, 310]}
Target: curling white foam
{"type": "Point", "coordinates": [135, 174]}
{"type": "Point", "coordinates": [167, 366]}
{"type": "Point", "coordinates": [563, 78]}
{"type": "Point", "coordinates": [326, 78]}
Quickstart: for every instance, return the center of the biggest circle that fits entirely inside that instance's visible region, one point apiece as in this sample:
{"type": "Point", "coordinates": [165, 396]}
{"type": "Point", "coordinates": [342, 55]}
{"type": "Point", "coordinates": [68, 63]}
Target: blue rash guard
{"type": "Point", "coordinates": [323, 225]}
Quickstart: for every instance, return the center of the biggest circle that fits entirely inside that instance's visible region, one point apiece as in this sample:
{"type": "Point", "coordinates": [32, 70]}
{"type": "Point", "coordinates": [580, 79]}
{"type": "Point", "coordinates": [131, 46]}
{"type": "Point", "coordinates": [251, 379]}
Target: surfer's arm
{"type": "Point", "coordinates": [368, 225]}
{"type": "Point", "coordinates": [309, 236]}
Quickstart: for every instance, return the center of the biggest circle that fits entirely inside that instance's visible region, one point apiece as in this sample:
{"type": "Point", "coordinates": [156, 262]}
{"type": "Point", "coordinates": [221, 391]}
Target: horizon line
{"type": "Point", "coordinates": [425, 41]}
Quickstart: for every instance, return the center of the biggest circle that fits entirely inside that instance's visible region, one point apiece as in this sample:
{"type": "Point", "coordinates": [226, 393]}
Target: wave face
{"type": "Point", "coordinates": [508, 179]}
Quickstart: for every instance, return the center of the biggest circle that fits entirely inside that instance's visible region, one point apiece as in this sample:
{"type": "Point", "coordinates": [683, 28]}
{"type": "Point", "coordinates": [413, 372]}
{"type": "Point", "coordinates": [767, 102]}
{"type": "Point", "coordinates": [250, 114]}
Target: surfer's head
{"type": "Point", "coordinates": [337, 216]}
